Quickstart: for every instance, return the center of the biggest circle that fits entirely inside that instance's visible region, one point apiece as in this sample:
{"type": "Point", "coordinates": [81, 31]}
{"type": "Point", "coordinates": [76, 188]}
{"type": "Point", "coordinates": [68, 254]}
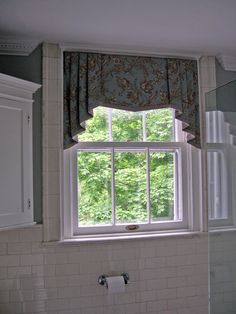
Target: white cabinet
{"type": "Point", "coordinates": [16, 169]}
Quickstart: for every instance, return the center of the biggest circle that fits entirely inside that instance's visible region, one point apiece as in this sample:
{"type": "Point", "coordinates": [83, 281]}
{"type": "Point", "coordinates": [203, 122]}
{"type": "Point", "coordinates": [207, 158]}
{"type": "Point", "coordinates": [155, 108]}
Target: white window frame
{"type": "Point", "coordinates": [218, 169]}
{"type": "Point", "coordinates": [184, 181]}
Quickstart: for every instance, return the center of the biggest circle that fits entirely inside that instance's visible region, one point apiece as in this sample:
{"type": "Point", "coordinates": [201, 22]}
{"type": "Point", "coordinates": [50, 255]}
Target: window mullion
{"type": "Point", "coordinates": [148, 184]}
{"type": "Point", "coordinates": [176, 196]}
{"type": "Point", "coordinates": [144, 127]}
{"type": "Point", "coordinates": [217, 186]}
{"type": "Point", "coordinates": [113, 192]}
{"type": "Point", "coordinates": [110, 123]}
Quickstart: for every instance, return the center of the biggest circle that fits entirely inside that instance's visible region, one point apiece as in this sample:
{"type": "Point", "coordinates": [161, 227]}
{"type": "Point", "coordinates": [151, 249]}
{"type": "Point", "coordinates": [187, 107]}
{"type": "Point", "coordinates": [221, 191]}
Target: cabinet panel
{"type": "Point", "coordinates": [15, 164]}
{"type": "Point", "coordinates": [11, 160]}
{"type": "Point", "coordinates": [16, 171]}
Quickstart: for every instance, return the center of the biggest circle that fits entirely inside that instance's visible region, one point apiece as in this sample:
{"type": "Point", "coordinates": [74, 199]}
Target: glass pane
{"type": "Point", "coordinates": [217, 186]}
{"type": "Point", "coordinates": [126, 126]}
{"type": "Point", "coordinates": [94, 188]}
{"type": "Point", "coordinates": [161, 186]}
{"type": "Point", "coordinates": [96, 127]}
{"type": "Point", "coordinates": [217, 126]}
{"type": "Point", "coordinates": [159, 125]}
{"type": "Point", "coordinates": [130, 187]}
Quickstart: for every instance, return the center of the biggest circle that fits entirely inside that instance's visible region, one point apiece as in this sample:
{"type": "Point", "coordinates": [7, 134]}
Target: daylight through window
{"type": "Point", "coordinates": [128, 169]}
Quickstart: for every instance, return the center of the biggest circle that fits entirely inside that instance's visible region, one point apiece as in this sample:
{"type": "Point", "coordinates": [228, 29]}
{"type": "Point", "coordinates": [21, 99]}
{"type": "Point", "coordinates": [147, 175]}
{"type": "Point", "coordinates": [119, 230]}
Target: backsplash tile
{"type": "Point", "coordinates": [62, 279]}
{"type": "Point", "coordinates": [222, 272]}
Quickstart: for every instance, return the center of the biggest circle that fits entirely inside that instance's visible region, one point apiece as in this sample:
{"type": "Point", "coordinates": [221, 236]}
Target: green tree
{"type": "Point", "coordinates": [94, 170]}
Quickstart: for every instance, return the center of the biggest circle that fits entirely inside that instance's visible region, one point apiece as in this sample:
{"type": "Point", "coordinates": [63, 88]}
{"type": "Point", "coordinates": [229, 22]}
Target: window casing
{"type": "Point", "coordinates": [180, 218]}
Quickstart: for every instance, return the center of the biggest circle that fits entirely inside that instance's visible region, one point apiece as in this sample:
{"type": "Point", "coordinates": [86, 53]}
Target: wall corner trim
{"type": "Point", "coordinates": [20, 47]}
{"type": "Point", "coordinates": [227, 62]}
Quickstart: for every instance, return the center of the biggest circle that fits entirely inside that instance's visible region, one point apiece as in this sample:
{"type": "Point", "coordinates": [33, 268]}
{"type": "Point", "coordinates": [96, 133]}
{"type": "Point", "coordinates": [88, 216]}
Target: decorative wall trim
{"type": "Point", "coordinates": [17, 84]}
{"type": "Point", "coordinates": [17, 89]}
{"type": "Point", "coordinates": [227, 62]}
{"type": "Point", "coordinates": [52, 142]}
{"type": "Point", "coordinates": [126, 50]}
{"type": "Point", "coordinates": [17, 46]}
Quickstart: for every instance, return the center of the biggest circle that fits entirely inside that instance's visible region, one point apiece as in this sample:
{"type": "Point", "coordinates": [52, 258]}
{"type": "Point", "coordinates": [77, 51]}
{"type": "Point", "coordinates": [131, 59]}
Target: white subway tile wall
{"type": "Point", "coordinates": [52, 140]}
{"type": "Point", "coordinates": [223, 272]}
{"type": "Point", "coordinates": [167, 275]}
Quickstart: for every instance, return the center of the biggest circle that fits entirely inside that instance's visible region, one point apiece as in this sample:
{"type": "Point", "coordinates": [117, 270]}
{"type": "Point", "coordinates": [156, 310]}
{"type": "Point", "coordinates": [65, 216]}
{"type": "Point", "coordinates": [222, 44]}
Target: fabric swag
{"type": "Point", "coordinates": [130, 83]}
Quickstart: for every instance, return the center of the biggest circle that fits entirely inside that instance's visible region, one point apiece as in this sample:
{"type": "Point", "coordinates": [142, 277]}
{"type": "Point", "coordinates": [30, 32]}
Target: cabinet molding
{"type": "Point", "coordinates": [16, 164]}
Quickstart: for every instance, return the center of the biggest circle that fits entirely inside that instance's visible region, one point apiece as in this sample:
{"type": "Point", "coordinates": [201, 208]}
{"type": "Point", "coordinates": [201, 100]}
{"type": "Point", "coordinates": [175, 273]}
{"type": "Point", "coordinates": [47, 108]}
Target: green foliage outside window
{"type": "Point", "coordinates": [94, 170]}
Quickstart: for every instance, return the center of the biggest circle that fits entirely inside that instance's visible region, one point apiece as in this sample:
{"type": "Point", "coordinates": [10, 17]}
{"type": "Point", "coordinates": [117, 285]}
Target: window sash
{"type": "Point", "coordinates": [180, 217]}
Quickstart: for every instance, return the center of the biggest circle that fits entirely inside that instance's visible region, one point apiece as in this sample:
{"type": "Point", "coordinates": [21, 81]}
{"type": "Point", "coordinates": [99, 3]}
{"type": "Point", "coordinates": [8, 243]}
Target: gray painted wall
{"type": "Point", "coordinates": [223, 77]}
{"type": "Point", "coordinates": [30, 68]}
{"type": "Point", "coordinates": [226, 95]}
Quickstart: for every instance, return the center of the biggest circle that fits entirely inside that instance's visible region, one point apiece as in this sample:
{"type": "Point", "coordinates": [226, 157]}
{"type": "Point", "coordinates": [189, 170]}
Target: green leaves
{"type": "Point", "coordinates": [128, 126]}
{"type": "Point", "coordinates": [130, 187]}
{"type": "Point", "coordinates": [96, 127]}
{"type": "Point", "coordinates": [95, 171]}
{"type": "Point", "coordinates": [159, 125]}
{"type": "Point", "coordinates": [94, 188]}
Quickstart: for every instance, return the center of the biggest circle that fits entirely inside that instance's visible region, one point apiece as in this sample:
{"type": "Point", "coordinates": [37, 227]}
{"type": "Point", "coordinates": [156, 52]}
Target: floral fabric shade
{"type": "Point", "coordinates": [130, 83]}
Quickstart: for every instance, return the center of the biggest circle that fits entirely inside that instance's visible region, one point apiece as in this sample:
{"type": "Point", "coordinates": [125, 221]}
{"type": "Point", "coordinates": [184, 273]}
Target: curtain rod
{"type": "Point", "coordinates": [126, 51]}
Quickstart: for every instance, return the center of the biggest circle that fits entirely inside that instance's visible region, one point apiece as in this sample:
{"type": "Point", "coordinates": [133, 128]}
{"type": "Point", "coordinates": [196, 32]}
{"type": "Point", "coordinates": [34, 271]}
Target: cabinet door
{"type": "Point", "coordinates": [16, 187]}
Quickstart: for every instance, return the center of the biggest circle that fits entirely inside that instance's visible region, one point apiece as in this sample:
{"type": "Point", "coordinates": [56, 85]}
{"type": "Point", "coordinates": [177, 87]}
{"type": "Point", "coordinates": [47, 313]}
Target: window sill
{"type": "Point", "coordinates": [126, 237]}
{"type": "Point", "coordinates": [216, 231]}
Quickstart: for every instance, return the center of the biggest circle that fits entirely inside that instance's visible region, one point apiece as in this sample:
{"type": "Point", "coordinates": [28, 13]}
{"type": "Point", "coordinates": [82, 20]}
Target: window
{"type": "Point", "coordinates": [128, 172]}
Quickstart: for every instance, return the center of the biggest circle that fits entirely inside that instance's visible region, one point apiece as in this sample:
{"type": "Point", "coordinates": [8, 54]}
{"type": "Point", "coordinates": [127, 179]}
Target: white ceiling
{"type": "Point", "coordinates": [162, 26]}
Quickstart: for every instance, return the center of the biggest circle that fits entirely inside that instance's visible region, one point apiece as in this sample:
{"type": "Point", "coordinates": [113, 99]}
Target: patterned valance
{"type": "Point", "coordinates": [130, 83]}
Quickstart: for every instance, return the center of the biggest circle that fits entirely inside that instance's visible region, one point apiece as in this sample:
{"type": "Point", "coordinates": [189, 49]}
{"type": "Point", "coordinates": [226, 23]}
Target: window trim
{"type": "Point", "coordinates": [185, 185]}
{"type": "Point", "coordinates": [56, 210]}
{"type": "Point", "coordinates": [70, 187]}
{"type": "Point", "coordinates": [224, 153]}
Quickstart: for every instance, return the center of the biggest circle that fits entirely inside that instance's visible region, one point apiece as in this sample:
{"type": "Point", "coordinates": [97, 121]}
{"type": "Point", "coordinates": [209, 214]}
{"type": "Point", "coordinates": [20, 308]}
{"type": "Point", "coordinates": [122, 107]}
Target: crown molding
{"type": "Point", "coordinates": [14, 83]}
{"type": "Point", "coordinates": [17, 47]}
{"type": "Point", "coordinates": [126, 50]}
{"type": "Point", "coordinates": [227, 62]}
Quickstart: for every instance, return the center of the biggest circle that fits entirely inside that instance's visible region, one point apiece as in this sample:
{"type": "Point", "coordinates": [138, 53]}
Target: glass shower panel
{"type": "Point", "coordinates": [221, 176]}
